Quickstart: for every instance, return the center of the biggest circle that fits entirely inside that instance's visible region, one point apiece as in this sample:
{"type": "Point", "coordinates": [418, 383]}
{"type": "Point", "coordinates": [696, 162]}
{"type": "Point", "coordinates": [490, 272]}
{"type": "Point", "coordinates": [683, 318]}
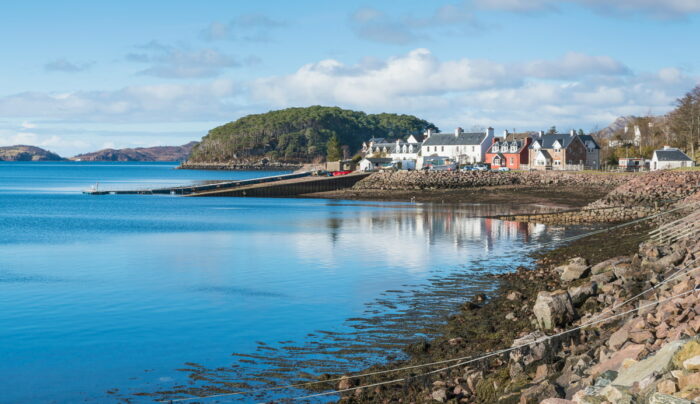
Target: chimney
{"type": "Point", "coordinates": [427, 133]}
{"type": "Point", "coordinates": [458, 131]}
{"type": "Point", "coordinates": [489, 131]}
{"type": "Point", "coordinates": [572, 132]}
{"type": "Point", "coordinates": [667, 147]}
{"type": "Point", "coordinates": [505, 134]}
{"type": "Point", "coordinates": [540, 133]}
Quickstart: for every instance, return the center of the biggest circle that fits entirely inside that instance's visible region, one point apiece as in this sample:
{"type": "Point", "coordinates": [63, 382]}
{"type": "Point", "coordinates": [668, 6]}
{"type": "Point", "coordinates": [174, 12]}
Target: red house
{"type": "Point", "coordinates": [511, 154]}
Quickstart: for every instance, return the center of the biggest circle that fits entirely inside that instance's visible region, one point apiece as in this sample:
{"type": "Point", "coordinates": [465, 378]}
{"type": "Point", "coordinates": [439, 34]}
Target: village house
{"type": "Point", "coordinates": [461, 147]}
{"type": "Point", "coordinates": [512, 154]}
{"type": "Point", "coordinates": [403, 153]}
{"type": "Point", "coordinates": [592, 152]}
{"type": "Point", "coordinates": [557, 152]}
{"type": "Point", "coordinates": [668, 158]}
{"type": "Point", "coordinates": [633, 164]}
{"type": "Point", "coordinates": [375, 163]}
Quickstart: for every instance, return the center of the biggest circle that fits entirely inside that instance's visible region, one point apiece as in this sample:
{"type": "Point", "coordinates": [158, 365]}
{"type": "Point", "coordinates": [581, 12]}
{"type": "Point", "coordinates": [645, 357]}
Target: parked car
{"type": "Point", "coordinates": [481, 167]}
{"type": "Point", "coordinates": [503, 169]}
{"type": "Point", "coordinates": [466, 168]}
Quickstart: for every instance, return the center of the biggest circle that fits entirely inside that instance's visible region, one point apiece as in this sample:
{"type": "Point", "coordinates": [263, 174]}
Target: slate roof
{"type": "Point", "coordinates": [545, 154]}
{"type": "Point", "coordinates": [449, 139]}
{"type": "Point", "coordinates": [518, 146]}
{"type": "Point", "coordinates": [589, 138]}
{"type": "Point", "coordinates": [671, 155]}
{"type": "Point", "coordinates": [377, 140]}
{"type": "Point", "coordinates": [391, 147]}
{"type": "Point", "coordinates": [547, 141]}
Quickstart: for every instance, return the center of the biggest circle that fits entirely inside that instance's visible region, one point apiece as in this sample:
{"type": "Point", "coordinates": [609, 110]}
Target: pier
{"type": "Point", "coordinates": [275, 186]}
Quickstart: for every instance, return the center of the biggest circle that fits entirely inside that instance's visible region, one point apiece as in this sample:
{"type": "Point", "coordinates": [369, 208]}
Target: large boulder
{"type": "Point", "coordinates": [642, 371]}
{"type": "Point", "coordinates": [577, 268]}
{"type": "Point", "coordinates": [553, 309]}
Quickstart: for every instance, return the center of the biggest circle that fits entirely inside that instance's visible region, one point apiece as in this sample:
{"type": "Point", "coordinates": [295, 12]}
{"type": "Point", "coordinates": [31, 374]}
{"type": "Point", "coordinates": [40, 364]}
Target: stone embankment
{"type": "Point", "coordinates": [639, 196]}
{"type": "Point", "coordinates": [429, 180]}
{"type": "Point", "coordinates": [623, 330]}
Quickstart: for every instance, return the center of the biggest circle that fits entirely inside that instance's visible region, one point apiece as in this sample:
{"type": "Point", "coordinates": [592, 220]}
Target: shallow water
{"type": "Point", "coordinates": [116, 293]}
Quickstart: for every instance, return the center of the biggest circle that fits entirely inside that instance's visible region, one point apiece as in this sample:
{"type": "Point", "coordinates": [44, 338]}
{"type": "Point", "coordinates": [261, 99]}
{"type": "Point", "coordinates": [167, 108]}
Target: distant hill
{"type": "Point", "coordinates": [296, 135]}
{"type": "Point", "coordinates": [27, 153]}
{"type": "Point", "coordinates": [158, 153]}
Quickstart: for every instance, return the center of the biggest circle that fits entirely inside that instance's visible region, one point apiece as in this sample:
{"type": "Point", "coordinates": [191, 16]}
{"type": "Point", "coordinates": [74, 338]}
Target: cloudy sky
{"type": "Point", "coordinates": [84, 75]}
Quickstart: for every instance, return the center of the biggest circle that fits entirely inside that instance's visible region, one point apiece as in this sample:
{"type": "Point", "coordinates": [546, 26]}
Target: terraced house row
{"type": "Point", "coordinates": [559, 151]}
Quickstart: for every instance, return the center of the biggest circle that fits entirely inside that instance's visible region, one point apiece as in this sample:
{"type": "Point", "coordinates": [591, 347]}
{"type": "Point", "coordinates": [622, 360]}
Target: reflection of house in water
{"type": "Point", "coordinates": [456, 225]}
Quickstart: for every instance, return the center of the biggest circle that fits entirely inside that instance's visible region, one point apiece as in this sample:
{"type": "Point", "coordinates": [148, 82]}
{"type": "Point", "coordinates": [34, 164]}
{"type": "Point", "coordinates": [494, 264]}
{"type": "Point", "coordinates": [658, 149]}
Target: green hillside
{"type": "Point", "coordinates": [300, 134]}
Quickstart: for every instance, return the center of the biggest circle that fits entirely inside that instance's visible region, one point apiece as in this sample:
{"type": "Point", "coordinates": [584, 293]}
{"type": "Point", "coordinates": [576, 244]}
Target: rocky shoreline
{"type": "Point", "coordinates": [648, 355]}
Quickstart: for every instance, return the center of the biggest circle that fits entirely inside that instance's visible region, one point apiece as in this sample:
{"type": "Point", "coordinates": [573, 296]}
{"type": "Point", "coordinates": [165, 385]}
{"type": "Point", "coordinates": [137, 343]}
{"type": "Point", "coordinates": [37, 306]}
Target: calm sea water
{"type": "Point", "coordinates": [116, 293]}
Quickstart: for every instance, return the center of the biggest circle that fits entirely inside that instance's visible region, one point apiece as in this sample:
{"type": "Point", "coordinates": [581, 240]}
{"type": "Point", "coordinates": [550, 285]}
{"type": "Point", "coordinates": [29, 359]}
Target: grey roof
{"type": "Point", "coordinates": [547, 141]}
{"type": "Point", "coordinates": [545, 154]}
{"type": "Point", "coordinates": [589, 138]}
{"type": "Point", "coordinates": [377, 140]}
{"type": "Point", "coordinates": [671, 155]}
{"type": "Point", "coordinates": [391, 147]}
{"type": "Point", "coordinates": [449, 139]}
{"type": "Point", "coordinates": [517, 143]}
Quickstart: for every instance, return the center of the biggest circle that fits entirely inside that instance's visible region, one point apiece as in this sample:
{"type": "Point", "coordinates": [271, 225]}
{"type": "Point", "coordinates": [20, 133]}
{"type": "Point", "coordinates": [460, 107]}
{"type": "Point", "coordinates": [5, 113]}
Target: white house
{"type": "Point", "coordinates": [402, 152]}
{"type": "Point", "coordinates": [375, 163]}
{"type": "Point", "coordinates": [669, 157]}
{"type": "Point", "coordinates": [464, 148]}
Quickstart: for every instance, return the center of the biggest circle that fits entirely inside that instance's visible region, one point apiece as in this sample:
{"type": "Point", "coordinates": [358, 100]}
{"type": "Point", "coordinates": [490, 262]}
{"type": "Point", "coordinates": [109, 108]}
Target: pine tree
{"type": "Point", "coordinates": [333, 149]}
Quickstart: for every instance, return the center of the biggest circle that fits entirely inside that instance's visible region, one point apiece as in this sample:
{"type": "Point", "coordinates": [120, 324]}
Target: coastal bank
{"type": "Point", "coordinates": [612, 317]}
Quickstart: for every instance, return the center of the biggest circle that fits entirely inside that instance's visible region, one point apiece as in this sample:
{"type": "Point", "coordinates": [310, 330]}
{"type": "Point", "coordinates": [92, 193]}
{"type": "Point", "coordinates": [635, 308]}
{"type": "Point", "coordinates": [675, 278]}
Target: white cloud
{"type": "Point", "coordinates": [654, 8]}
{"type": "Point", "coordinates": [576, 89]}
{"type": "Point", "coordinates": [573, 65]}
{"type": "Point", "coordinates": [160, 102]}
{"type": "Point", "coordinates": [181, 62]}
{"type": "Point", "coordinates": [375, 25]}
{"type": "Point", "coordinates": [246, 27]}
{"type": "Point", "coordinates": [28, 125]}
{"type": "Point", "coordinates": [63, 65]}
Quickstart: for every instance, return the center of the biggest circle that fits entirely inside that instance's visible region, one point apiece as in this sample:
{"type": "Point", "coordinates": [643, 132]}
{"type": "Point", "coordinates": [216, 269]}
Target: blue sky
{"type": "Point", "coordinates": [84, 75]}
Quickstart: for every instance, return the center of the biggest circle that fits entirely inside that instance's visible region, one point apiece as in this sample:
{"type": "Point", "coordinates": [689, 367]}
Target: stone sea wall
{"type": "Point", "coordinates": [433, 180]}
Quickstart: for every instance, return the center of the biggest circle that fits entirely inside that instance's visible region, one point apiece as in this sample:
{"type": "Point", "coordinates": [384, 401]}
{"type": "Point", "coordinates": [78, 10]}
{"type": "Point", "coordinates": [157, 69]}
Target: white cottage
{"type": "Point", "coordinates": [403, 153]}
{"type": "Point", "coordinates": [464, 148]}
{"type": "Point", "coordinates": [668, 158]}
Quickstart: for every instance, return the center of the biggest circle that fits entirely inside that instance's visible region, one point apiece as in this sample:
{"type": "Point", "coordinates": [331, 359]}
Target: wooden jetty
{"type": "Point", "coordinates": [275, 186]}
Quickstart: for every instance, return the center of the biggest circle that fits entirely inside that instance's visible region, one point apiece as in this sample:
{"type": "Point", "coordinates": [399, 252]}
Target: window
{"type": "Point", "coordinates": [557, 162]}
{"type": "Point", "coordinates": [472, 148]}
{"type": "Point", "coordinates": [512, 161]}
{"type": "Point", "coordinates": [442, 148]}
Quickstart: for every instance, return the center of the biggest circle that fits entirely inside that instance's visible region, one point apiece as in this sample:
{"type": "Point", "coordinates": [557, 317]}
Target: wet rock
{"type": "Point", "coordinates": [579, 294]}
{"type": "Point", "coordinates": [439, 395]}
{"type": "Point", "coordinates": [539, 392]}
{"type": "Point", "coordinates": [345, 383]}
{"type": "Point", "coordinates": [577, 268]}
{"type": "Point", "coordinates": [514, 296]}
{"type": "Point", "coordinates": [607, 265]}
{"type": "Point", "coordinates": [553, 309]}
{"type": "Point", "coordinates": [656, 364]}
{"type": "Point", "coordinates": [556, 401]}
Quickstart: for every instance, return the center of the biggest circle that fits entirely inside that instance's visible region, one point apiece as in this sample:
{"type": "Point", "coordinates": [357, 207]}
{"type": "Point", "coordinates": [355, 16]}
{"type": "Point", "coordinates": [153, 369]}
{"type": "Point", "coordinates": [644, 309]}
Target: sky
{"type": "Point", "coordinates": [78, 76]}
